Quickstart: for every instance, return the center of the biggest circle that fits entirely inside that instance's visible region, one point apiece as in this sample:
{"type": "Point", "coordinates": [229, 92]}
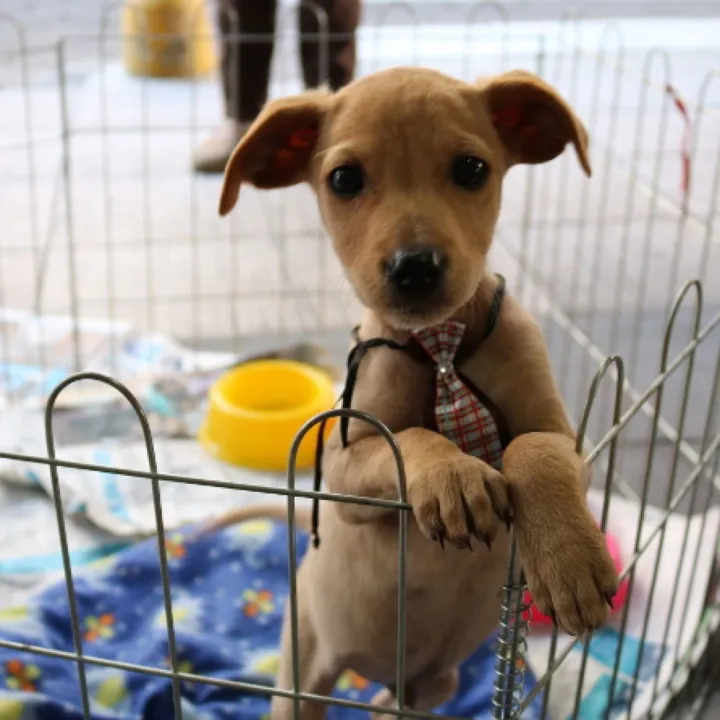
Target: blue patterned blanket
{"type": "Point", "coordinates": [228, 593]}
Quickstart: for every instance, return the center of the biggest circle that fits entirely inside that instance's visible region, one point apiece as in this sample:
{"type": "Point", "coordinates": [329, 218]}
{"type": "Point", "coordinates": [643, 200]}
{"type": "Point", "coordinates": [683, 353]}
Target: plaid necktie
{"type": "Point", "coordinates": [459, 414]}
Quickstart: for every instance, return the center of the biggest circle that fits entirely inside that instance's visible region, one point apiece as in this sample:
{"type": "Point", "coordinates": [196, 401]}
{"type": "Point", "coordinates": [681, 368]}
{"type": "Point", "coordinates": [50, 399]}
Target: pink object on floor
{"type": "Point", "coordinates": [535, 616]}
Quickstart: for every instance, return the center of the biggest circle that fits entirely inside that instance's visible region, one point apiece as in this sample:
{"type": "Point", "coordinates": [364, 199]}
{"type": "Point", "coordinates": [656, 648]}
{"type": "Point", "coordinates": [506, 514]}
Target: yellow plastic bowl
{"type": "Point", "coordinates": [256, 409]}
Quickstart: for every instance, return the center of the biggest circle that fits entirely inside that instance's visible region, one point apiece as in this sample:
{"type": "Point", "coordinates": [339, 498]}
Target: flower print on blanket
{"type": "Point", "coordinates": [228, 592]}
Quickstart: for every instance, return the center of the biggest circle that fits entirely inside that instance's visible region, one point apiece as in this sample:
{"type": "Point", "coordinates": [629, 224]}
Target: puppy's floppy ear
{"type": "Point", "coordinates": [277, 149]}
{"type": "Point", "coordinates": [533, 121]}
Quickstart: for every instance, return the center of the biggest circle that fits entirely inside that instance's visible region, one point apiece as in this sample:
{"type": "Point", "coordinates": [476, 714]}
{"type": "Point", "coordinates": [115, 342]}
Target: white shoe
{"type": "Point", "coordinates": [212, 154]}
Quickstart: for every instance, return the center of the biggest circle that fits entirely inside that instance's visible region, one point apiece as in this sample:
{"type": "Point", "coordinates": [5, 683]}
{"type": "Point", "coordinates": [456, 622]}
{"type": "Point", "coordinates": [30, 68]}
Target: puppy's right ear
{"type": "Point", "coordinates": [277, 149]}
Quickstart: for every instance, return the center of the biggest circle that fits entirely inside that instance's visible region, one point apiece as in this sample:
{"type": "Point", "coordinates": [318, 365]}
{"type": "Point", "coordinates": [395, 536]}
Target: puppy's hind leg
{"type": "Point", "coordinates": [423, 695]}
{"type": "Point", "coordinates": [318, 672]}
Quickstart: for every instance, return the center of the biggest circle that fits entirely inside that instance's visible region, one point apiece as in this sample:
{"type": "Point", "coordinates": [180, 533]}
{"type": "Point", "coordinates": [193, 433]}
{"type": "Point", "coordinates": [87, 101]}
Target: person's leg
{"type": "Point", "coordinates": [245, 70]}
{"type": "Point", "coordinates": [343, 18]}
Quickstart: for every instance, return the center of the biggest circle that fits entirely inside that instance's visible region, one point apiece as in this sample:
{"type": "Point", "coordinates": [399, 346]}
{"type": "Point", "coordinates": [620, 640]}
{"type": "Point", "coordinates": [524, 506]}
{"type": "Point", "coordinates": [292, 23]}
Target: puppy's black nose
{"type": "Point", "coordinates": [416, 271]}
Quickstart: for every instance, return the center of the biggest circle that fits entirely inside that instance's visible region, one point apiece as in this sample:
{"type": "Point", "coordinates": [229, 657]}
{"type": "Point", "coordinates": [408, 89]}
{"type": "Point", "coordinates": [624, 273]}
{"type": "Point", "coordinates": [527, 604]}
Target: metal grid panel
{"type": "Point", "coordinates": [569, 249]}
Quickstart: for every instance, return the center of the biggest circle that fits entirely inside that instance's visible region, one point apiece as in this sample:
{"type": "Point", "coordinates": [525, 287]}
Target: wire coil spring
{"type": "Point", "coordinates": [511, 651]}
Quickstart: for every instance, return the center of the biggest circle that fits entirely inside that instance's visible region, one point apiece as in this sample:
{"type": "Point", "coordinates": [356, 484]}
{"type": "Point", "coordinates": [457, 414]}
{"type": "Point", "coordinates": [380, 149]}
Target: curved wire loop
{"type": "Point", "coordinates": [478, 8]}
{"type": "Point", "coordinates": [157, 506]}
{"type": "Point", "coordinates": [385, 433]}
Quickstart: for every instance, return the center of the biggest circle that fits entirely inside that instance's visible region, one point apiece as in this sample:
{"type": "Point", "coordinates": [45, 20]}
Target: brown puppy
{"type": "Point", "coordinates": [407, 165]}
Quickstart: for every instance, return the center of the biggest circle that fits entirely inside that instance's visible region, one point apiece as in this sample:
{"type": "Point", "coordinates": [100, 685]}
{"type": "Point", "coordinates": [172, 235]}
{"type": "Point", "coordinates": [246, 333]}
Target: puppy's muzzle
{"type": "Point", "coordinates": [415, 273]}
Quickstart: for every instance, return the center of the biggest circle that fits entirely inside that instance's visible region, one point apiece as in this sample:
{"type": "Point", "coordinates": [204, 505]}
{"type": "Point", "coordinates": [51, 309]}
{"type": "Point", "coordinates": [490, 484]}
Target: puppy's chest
{"type": "Point", "coordinates": [446, 400]}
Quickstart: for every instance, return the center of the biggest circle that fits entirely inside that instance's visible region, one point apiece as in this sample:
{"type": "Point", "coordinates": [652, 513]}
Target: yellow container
{"type": "Point", "coordinates": [257, 408]}
{"type": "Point", "coordinates": [167, 38]}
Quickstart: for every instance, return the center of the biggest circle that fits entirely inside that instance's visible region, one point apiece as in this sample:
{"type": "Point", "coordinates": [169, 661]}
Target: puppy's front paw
{"type": "Point", "coordinates": [459, 499]}
{"type": "Point", "coordinates": [572, 578]}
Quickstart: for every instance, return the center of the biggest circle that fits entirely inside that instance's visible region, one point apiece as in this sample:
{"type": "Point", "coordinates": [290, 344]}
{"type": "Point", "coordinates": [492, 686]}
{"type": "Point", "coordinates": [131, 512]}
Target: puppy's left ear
{"type": "Point", "coordinates": [533, 121]}
{"type": "Point", "coordinates": [277, 149]}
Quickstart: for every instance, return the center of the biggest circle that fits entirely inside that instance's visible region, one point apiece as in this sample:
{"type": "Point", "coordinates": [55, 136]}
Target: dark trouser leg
{"type": "Point", "coordinates": [343, 18]}
{"type": "Point", "coordinates": [246, 65]}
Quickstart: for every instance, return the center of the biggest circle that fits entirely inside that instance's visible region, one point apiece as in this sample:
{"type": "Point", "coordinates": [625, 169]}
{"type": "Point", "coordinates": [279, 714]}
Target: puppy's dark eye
{"type": "Point", "coordinates": [470, 172]}
{"type": "Point", "coordinates": [347, 181]}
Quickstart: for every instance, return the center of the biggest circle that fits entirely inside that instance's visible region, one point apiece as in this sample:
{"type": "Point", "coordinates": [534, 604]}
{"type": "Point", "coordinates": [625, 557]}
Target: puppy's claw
{"type": "Point", "coordinates": [488, 541]}
{"type": "Point", "coordinates": [609, 600]}
{"type": "Point", "coordinates": [554, 618]}
{"type": "Point", "coordinates": [437, 537]}
{"type": "Point", "coordinates": [469, 519]}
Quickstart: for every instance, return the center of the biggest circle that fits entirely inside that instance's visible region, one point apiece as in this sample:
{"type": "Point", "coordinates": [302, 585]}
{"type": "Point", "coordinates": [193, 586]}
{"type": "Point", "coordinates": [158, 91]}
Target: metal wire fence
{"type": "Point", "coordinates": [108, 222]}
